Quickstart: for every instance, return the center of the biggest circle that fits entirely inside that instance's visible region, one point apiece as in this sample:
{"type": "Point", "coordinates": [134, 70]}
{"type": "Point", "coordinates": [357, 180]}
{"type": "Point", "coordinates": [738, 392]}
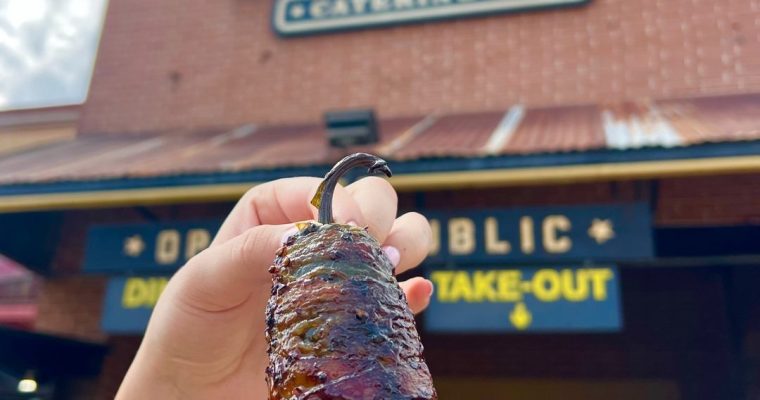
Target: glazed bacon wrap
{"type": "Point", "coordinates": [338, 324]}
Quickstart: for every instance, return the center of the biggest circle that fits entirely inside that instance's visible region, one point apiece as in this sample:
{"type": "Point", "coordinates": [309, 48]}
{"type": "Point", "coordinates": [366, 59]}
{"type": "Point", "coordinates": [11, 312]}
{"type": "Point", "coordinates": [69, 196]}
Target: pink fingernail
{"type": "Point", "coordinates": [393, 254]}
{"type": "Point", "coordinates": [432, 288]}
{"type": "Point", "coordinates": [352, 223]}
{"type": "Point", "coordinates": [290, 232]}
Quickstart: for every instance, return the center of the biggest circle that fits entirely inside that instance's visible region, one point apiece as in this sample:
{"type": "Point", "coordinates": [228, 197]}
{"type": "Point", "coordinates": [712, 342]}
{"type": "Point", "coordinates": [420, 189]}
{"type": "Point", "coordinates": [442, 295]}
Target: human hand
{"type": "Point", "coordinates": [206, 339]}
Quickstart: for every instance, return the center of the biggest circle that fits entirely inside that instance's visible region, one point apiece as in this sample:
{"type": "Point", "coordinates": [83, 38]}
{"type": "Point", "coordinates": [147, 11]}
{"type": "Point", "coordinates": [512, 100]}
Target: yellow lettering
{"type": "Point", "coordinates": [197, 240]}
{"type": "Point", "coordinates": [135, 290]}
{"type": "Point", "coordinates": [493, 244]}
{"type": "Point", "coordinates": [578, 290]}
{"type": "Point", "coordinates": [142, 292]}
{"type": "Point", "coordinates": [442, 282]}
{"type": "Point", "coordinates": [508, 285]}
{"type": "Point", "coordinates": [546, 285]}
{"type": "Point", "coordinates": [435, 226]}
{"type": "Point", "coordinates": [461, 288]}
{"type": "Point", "coordinates": [553, 243]}
{"type": "Point", "coordinates": [483, 285]}
{"type": "Point", "coordinates": [527, 243]}
{"type": "Point", "coordinates": [461, 236]}
{"type": "Point", "coordinates": [162, 282]}
{"type": "Point", "coordinates": [599, 279]}
{"type": "Point", "coordinates": [167, 247]}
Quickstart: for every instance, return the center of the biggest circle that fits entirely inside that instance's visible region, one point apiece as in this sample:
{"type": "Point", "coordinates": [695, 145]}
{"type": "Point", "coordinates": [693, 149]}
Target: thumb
{"type": "Point", "coordinates": [224, 276]}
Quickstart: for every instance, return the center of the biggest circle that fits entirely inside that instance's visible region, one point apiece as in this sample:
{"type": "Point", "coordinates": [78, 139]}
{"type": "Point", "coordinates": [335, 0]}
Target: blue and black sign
{"type": "Point", "coordinates": [528, 299]}
{"type": "Point", "coordinates": [152, 248]}
{"type": "Point", "coordinates": [293, 17]}
{"type": "Point", "coordinates": [542, 234]}
{"type": "Point", "coordinates": [129, 302]}
{"type": "Point", "coordinates": [534, 299]}
{"type": "Point", "coordinates": [470, 295]}
{"type": "Point", "coordinates": [536, 235]}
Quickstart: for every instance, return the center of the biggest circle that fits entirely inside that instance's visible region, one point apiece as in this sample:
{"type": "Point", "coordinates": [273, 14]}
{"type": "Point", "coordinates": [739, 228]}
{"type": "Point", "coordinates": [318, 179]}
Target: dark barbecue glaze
{"type": "Point", "coordinates": [338, 323]}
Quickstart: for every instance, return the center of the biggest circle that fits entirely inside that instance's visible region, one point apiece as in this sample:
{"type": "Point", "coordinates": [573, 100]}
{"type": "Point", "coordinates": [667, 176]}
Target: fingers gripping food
{"type": "Point", "coordinates": [338, 323]}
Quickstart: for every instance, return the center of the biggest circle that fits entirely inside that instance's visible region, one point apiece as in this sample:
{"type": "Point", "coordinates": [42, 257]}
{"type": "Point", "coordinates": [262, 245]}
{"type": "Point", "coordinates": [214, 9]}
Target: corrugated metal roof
{"type": "Point", "coordinates": [18, 140]}
{"type": "Point", "coordinates": [451, 136]}
{"type": "Point", "coordinates": [553, 130]}
{"type": "Point", "coordinates": [513, 131]}
{"type": "Point", "coordinates": [55, 115]}
{"type": "Point", "coordinates": [26, 129]}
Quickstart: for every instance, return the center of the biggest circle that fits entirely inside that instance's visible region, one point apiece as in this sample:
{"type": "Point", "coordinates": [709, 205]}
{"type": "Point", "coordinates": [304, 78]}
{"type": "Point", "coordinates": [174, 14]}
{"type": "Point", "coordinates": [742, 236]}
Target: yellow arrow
{"type": "Point", "coordinates": [520, 317]}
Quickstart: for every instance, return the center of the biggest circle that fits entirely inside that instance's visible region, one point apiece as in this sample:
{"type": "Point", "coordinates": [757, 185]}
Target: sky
{"type": "Point", "coordinates": [47, 50]}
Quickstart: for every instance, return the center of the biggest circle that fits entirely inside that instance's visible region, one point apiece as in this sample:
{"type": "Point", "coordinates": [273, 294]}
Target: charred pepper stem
{"type": "Point", "coordinates": [323, 198]}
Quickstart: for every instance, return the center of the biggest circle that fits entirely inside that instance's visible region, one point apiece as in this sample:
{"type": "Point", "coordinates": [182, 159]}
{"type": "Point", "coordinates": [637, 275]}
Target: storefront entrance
{"type": "Point", "coordinates": [680, 340]}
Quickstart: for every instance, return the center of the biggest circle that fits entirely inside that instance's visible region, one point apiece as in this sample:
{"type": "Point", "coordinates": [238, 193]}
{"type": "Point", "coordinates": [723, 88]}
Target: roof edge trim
{"type": "Point", "coordinates": [540, 175]}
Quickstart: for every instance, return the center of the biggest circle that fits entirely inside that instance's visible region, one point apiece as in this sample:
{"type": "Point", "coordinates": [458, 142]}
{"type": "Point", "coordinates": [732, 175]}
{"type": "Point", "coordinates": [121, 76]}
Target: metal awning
{"type": "Point", "coordinates": [516, 146]}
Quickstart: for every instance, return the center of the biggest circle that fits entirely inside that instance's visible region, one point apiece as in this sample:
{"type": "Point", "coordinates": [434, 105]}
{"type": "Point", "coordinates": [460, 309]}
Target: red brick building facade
{"type": "Point", "coordinates": [168, 73]}
{"type": "Point", "coordinates": [163, 67]}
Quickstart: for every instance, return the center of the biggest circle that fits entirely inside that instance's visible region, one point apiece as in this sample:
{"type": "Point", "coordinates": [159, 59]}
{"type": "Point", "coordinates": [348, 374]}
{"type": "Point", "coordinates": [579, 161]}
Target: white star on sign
{"type": "Point", "coordinates": [297, 11]}
{"type": "Point", "coordinates": [134, 246]}
{"type": "Point", "coordinates": [601, 230]}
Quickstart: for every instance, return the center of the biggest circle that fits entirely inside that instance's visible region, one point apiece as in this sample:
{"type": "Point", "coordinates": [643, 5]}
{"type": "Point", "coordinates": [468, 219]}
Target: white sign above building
{"type": "Point", "coordinates": [297, 17]}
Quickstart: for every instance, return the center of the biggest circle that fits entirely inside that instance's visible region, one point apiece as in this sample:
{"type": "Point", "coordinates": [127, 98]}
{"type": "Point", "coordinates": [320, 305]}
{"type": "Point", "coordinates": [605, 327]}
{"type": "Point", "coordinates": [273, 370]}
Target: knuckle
{"type": "Point", "coordinates": [253, 193]}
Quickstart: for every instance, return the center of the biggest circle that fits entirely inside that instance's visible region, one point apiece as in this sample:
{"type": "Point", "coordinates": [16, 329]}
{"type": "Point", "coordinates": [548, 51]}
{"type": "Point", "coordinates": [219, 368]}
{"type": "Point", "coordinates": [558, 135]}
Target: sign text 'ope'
{"type": "Point", "coordinates": [146, 248]}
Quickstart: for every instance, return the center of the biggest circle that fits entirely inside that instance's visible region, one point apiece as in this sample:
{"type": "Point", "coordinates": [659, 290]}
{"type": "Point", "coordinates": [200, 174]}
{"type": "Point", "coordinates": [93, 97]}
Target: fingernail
{"type": "Point", "coordinates": [432, 288]}
{"type": "Point", "coordinates": [392, 254]}
{"type": "Point", "coordinates": [352, 223]}
{"type": "Point", "coordinates": [290, 232]}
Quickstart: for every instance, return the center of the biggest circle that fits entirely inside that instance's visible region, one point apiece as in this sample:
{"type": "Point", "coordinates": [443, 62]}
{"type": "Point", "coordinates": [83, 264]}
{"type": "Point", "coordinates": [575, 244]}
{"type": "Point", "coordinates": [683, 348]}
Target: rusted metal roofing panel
{"type": "Point", "coordinates": [631, 125]}
{"type": "Point", "coordinates": [715, 119]}
{"type": "Point", "coordinates": [27, 166]}
{"type": "Point", "coordinates": [391, 132]}
{"type": "Point", "coordinates": [18, 140]}
{"type": "Point", "coordinates": [461, 135]}
{"type": "Point", "coordinates": [552, 130]}
{"type": "Point", "coordinates": [26, 129]}
{"type": "Point", "coordinates": [634, 125]}
{"type": "Point", "coordinates": [56, 115]}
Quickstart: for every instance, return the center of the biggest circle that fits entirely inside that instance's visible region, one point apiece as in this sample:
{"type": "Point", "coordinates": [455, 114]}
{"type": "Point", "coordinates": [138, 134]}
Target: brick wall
{"type": "Point", "coordinates": [71, 306]}
{"type": "Point", "coordinates": [164, 64]}
{"type": "Point", "coordinates": [116, 364]}
{"type": "Point", "coordinates": [726, 200]}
